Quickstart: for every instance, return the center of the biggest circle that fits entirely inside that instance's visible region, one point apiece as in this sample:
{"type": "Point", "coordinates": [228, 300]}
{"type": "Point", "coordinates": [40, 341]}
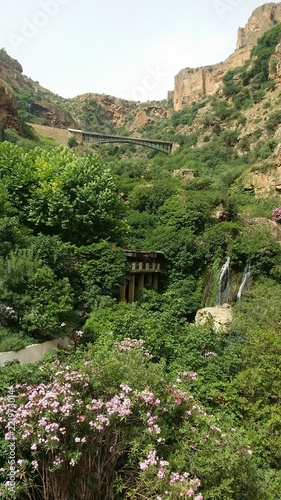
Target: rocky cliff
{"type": "Point", "coordinates": [266, 182]}
{"type": "Point", "coordinates": [45, 106]}
{"type": "Point", "coordinates": [194, 84]}
{"type": "Point", "coordinates": [8, 108]}
{"type": "Point", "coordinates": [90, 111]}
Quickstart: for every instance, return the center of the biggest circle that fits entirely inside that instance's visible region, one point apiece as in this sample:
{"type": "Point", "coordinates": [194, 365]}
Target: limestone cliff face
{"type": "Point", "coordinates": [10, 69]}
{"type": "Point", "coordinates": [194, 84]}
{"type": "Point", "coordinates": [261, 20]}
{"type": "Point", "coordinates": [8, 108]}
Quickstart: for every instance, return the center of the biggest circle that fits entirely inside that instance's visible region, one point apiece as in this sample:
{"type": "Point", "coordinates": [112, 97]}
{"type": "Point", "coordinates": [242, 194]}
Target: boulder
{"type": "Point", "coordinates": [219, 317]}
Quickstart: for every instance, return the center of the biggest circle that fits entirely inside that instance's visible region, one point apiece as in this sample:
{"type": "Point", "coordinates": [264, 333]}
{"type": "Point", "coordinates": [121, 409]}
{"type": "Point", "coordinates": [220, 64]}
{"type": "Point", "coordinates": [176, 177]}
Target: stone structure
{"type": "Point", "coordinates": [194, 84]}
{"type": "Point", "coordinates": [145, 270]}
{"type": "Point", "coordinates": [35, 352]}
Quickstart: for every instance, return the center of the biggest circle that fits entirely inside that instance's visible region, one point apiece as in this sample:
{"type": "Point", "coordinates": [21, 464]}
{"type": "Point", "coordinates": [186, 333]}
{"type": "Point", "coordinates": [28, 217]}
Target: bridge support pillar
{"type": "Point", "coordinates": [131, 294]}
{"type": "Point", "coordinates": [155, 281]}
{"type": "Point", "coordinates": [123, 293]}
{"type": "Point", "coordinates": [149, 279]}
{"type": "Point", "coordinates": [141, 281]}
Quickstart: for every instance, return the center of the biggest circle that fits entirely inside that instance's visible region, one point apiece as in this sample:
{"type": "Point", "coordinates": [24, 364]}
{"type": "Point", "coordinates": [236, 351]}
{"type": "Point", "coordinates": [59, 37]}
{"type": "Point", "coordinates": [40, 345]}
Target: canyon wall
{"type": "Point", "coordinates": [194, 84]}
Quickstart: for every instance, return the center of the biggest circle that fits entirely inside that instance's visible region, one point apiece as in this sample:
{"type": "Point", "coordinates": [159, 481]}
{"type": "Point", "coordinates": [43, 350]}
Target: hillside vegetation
{"type": "Point", "coordinates": [148, 404]}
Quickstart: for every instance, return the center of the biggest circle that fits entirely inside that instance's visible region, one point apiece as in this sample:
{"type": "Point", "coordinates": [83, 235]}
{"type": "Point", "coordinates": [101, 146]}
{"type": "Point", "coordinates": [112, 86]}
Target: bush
{"type": "Point", "coordinates": [72, 142]}
{"type": "Point", "coordinates": [122, 424]}
{"type": "Point", "coordinates": [273, 121]}
{"type": "Point", "coordinates": [11, 340]}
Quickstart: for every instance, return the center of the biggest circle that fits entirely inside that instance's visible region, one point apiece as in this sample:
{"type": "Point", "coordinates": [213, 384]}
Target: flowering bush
{"type": "Point", "coordinates": [276, 214]}
{"type": "Point", "coordinates": [109, 424]}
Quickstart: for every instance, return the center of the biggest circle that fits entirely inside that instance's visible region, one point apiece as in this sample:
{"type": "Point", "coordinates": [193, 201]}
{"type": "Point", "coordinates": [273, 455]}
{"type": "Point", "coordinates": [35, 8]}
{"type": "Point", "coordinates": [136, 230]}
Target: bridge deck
{"type": "Point", "coordinates": [163, 146]}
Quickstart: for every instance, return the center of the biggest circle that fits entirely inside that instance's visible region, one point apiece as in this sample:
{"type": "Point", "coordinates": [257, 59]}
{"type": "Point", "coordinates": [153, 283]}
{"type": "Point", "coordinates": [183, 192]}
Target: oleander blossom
{"type": "Point", "coordinates": [73, 422]}
{"type": "Point", "coordinates": [132, 344]}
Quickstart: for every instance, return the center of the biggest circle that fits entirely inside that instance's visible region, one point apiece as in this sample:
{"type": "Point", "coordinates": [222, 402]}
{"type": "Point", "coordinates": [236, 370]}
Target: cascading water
{"type": "Point", "coordinates": [224, 283]}
{"type": "Point", "coordinates": [245, 277]}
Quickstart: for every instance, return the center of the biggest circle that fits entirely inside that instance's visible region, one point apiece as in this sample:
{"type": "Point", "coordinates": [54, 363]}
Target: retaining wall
{"type": "Point", "coordinates": [35, 352]}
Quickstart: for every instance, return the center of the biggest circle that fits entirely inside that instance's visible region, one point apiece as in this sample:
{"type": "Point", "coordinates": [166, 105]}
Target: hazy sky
{"type": "Point", "coordinates": [126, 48]}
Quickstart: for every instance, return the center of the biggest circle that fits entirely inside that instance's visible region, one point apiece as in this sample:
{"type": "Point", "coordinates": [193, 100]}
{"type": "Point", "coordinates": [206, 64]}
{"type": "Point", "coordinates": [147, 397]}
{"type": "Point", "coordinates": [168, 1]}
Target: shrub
{"type": "Point", "coordinates": [273, 121]}
{"type": "Point", "coordinates": [72, 142]}
{"type": "Point", "coordinates": [110, 422]}
{"type": "Point", "coordinates": [10, 340]}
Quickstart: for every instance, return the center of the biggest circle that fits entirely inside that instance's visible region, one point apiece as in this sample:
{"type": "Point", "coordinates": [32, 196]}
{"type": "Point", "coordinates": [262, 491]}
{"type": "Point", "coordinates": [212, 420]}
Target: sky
{"type": "Point", "coordinates": [125, 48]}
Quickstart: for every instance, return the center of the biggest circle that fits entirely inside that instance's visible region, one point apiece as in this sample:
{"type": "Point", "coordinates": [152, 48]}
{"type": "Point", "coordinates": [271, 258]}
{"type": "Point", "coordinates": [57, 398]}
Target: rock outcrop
{"type": "Point", "coordinates": [264, 184]}
{"type": "Point", "coordinates": [219, 317]}
{"type": "Point", "coordinates": [261, 20]}
{"type": "Point", "coordinates": [119, 112]}
{"type": "Point", "coordinates": [275, 64]}
{"type": "Point", "coordinates": [148, 115]}
{"type": "Point", "coordinates": [266, 181]}
{"type": "Point", "coordinates": [194, 84]}
{"type": "Point", "coordinates": [46, 106]}
{"type": "Point", "coordinates": [10, 69]}
{"type": "Point", "coordinates": [87, 111]}
{"type": "Point", "coordinates": [273, 227]}
{"type": "Point", "coordinates": [185, 174]}
{"type": "Point", "coordinates": [8, 108]}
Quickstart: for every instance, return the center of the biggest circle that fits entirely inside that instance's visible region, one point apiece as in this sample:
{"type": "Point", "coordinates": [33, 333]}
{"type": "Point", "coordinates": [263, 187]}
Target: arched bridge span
{"type": "Point", "coordinates": [163, 146]}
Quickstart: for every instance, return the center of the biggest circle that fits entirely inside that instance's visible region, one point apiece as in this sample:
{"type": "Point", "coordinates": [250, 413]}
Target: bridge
{"type": "Point", "coordinates": [163, 146]}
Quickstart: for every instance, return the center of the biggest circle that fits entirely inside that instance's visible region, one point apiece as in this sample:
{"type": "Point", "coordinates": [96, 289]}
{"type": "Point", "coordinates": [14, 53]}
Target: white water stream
{"type": "Point", "coordinates": [245, 278]}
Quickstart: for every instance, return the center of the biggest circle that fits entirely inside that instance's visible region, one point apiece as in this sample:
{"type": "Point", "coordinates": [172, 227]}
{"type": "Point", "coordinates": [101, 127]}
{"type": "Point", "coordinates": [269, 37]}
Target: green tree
{"type": "Point", "coordinates": [17, 173]}
{"type": "Point", "coordinates": [78, 201]}
{"type": "Point", "coordinates": [97, 270]}
{"type": "Point", "coordinates": [38, 300]}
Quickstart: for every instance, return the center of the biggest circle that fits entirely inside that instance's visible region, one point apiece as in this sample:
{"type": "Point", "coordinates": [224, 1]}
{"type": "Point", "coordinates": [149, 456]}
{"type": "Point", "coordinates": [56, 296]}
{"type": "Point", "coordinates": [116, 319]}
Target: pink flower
{"type": "Point", "coordinates": [125, 388]}
{"type": "Point", "coordinates": [34, 463]}
{"type": "Point", "coordinates": [150, 461]}
{"type": "Point", "coordinates": [161, 473]}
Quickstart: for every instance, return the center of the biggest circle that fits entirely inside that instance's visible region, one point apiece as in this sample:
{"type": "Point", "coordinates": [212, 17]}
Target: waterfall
{"type": "Point", "coordinates": [224, 283]}
{"type": "Point", "coordinates": [245, 277]}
